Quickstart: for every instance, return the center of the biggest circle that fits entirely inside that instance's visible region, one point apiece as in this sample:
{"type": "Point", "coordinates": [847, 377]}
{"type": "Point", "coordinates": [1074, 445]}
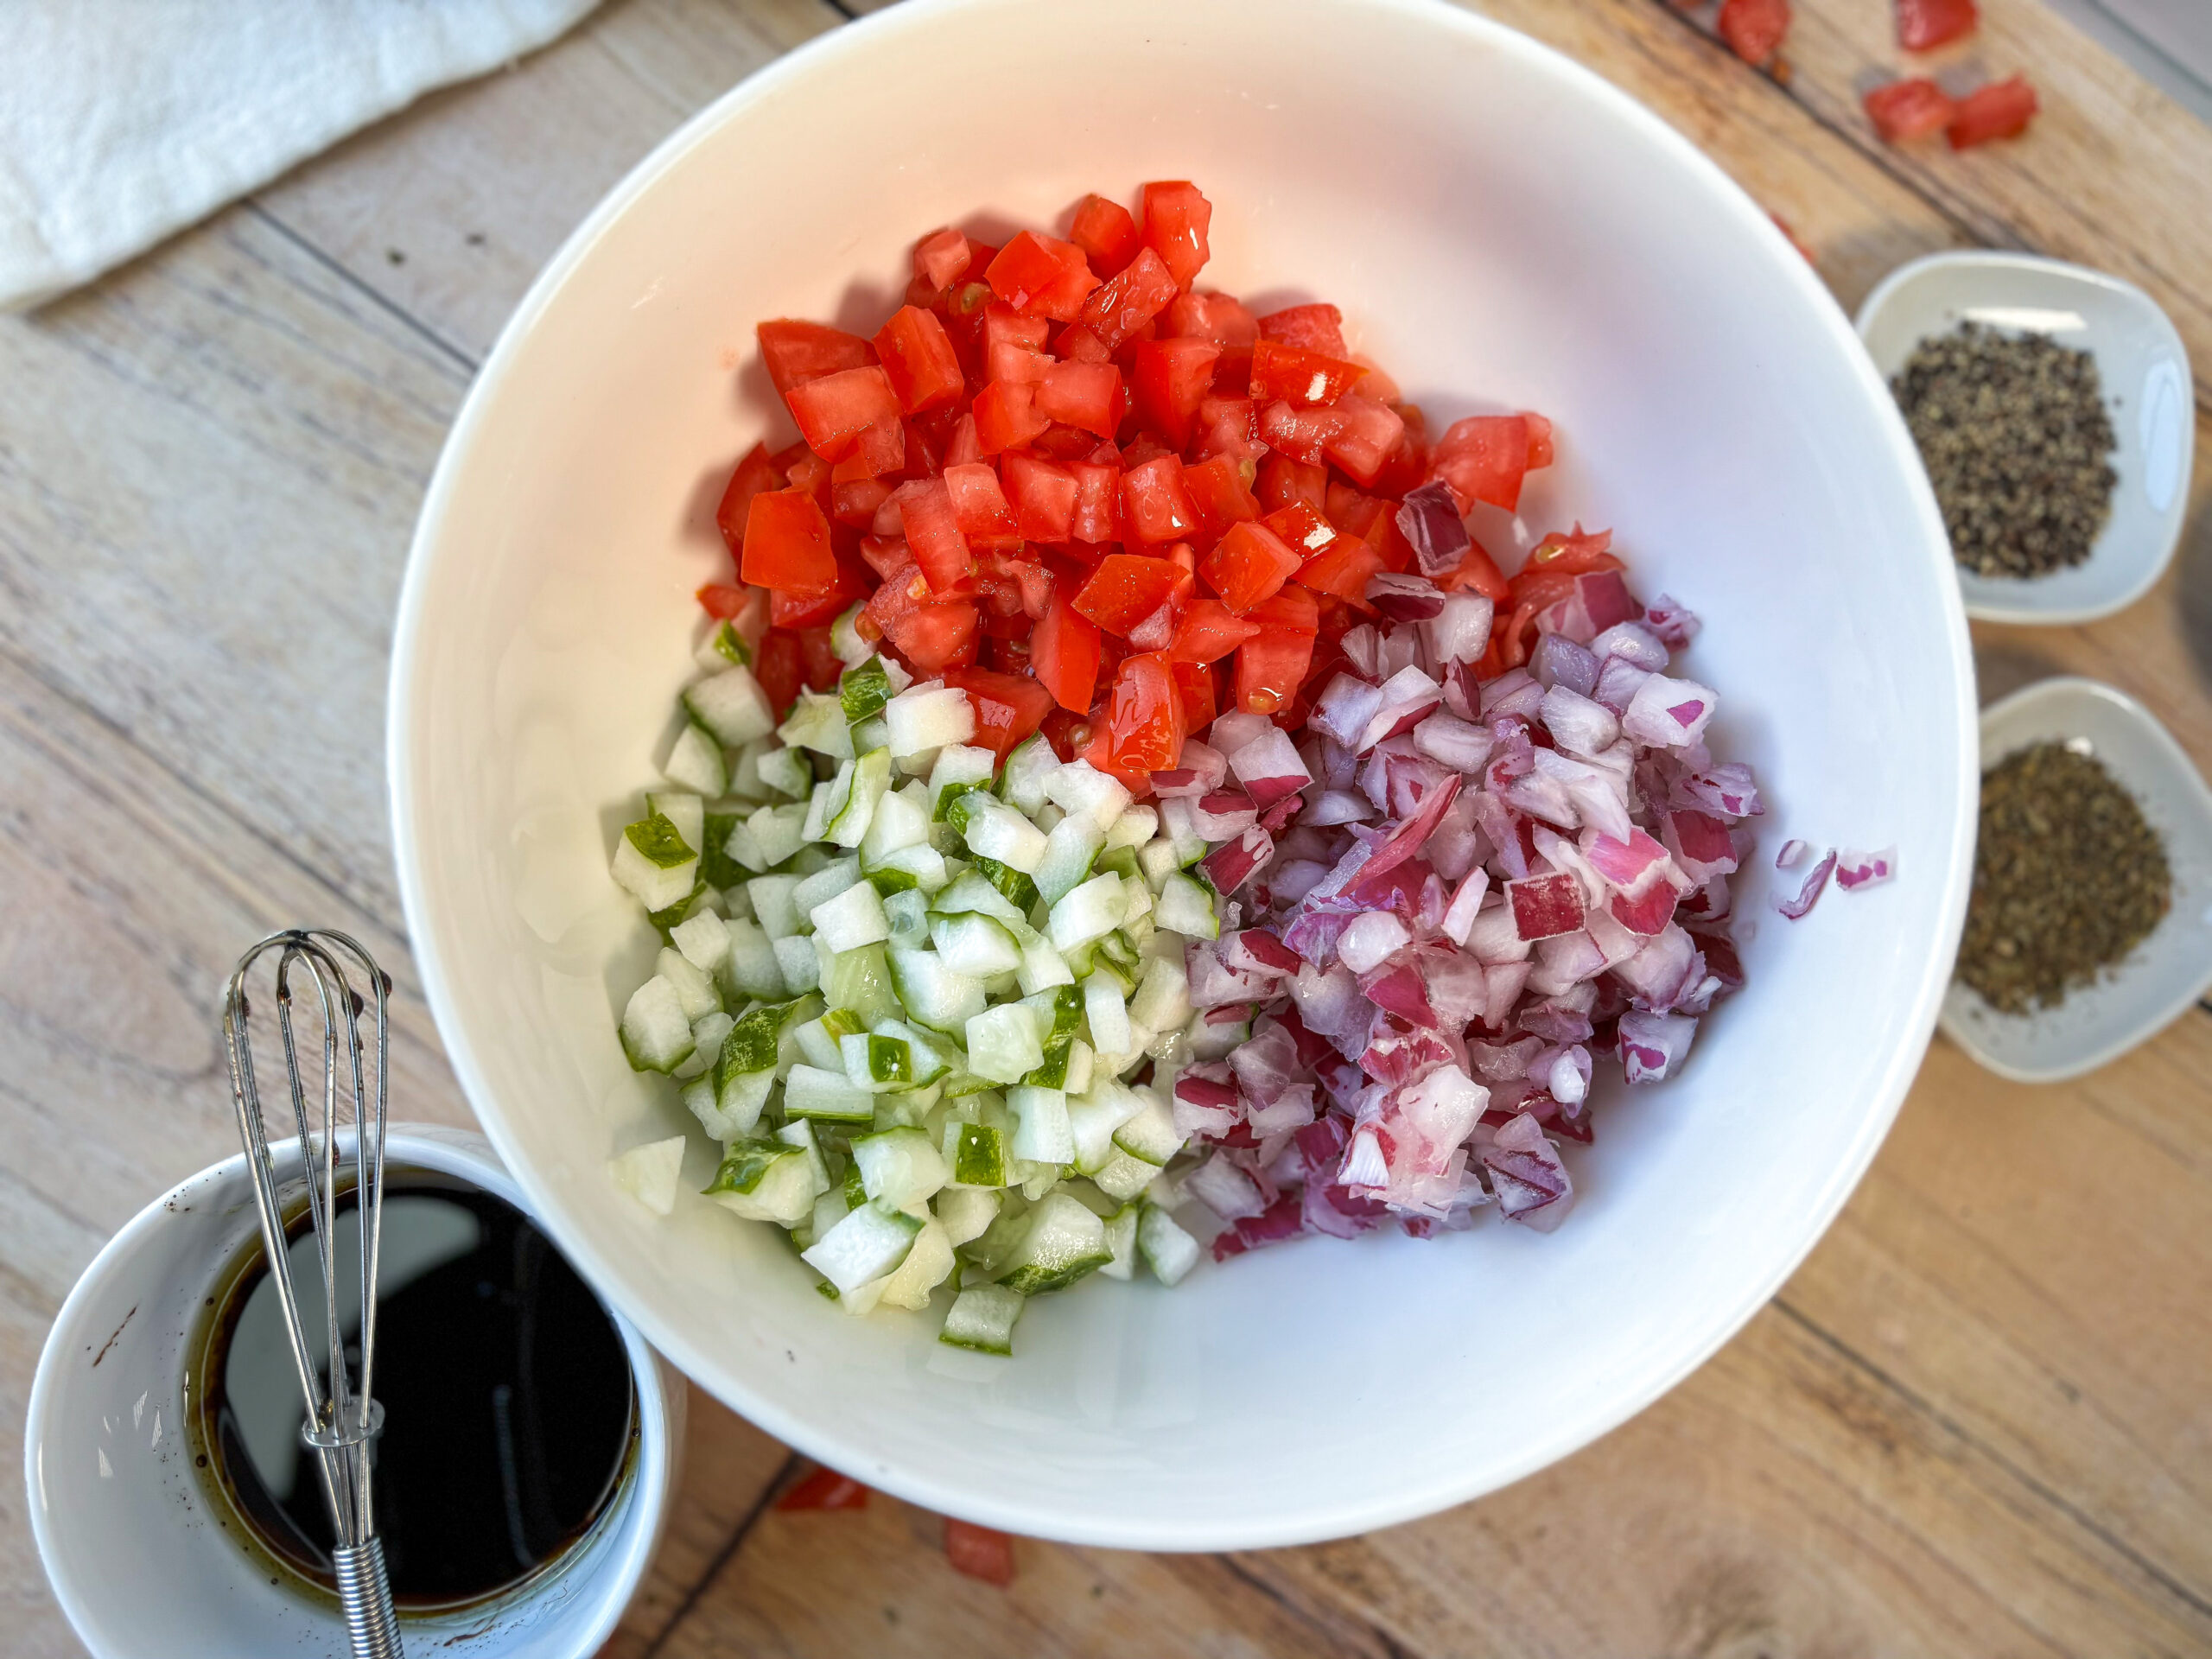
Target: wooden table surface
{"type": "Point", "coordinates": [1978, 1421]}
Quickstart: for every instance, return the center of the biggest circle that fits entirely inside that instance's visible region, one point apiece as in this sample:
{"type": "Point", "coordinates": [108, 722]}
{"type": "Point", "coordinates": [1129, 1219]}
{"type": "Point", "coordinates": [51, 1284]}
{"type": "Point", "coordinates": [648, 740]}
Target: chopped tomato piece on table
{"type": "Point", "coordinates": [753, 473]}
{"type": "Point", "coordinates": [1283, 480]}
{"type": "Point", "coordinates": [2001, 109]}
{"type": "Point", "coordinates": [787, 544]}
{"type": "Point", "coordinates": [941, 258]}
{"type": "Point", "coordinates": [1087, 396]}
{"type": "Point", "coordinates": [1216, 317]}
{"type": "Point", "coordinates": [1196, 690]}
{"type": "Point", "coordinates": [776, 665]}
{"type": "Point", "coordinates": [1753, 29]}
{"type": "Point", "coordinates": [1097, 502]}
{"type": "Point", "coordinates": [1008, 707]}
{"type": "Point", "coordinates": [1176, 220]}
{"type": "Point", "coordinates": [1909, 109]}
{"type": "Point", "coordinates": [1146, 713]}
{"type": "Point", "coordinates": [979, 1551]}
{"type": "Point", "coordinates": [1118, 308]}
{"type": "Point", "coordinates": [825, 1489]}
{"type": "Point", "coordinates": [1485, 457]}
{"type": "Point", "coordinates": [1219, 496]}
{"type": "Point", "coordinates": [1107, 232]}
{"type": "Point", "coordinates": [1006, 417]}
{"type": "Point", "coordinates": [1924, 25]}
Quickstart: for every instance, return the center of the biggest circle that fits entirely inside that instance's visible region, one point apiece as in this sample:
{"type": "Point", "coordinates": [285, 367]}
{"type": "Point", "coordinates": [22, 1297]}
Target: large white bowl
{"type": "Point", "coordinates": [1502, 230]}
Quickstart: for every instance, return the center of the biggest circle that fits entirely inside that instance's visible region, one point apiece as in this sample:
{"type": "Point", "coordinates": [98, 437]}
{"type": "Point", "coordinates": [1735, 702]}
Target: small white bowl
{"type": "Point", "coordinates": [2167, 971]}
{"type": "Point", "coordinates": [2148, 393]}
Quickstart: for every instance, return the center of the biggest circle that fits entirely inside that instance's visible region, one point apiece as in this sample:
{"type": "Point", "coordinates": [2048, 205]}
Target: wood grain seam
{"type": "Point", "coordinates": [1988, 228]}
{"type": "Point", "coordinates": [723, 1556]}
{"type": "Point", "coordinates": [367, 289]}
{"type": "Point", "coordinates": [1391, 1647]}
{"type": "Point", "coordinates": [2032, 1483]}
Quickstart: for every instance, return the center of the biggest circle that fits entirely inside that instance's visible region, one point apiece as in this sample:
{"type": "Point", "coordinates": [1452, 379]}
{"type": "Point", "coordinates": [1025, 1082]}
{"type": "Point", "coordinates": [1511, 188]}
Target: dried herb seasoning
{"type": "Point", "coordinates": [2068, 879]}
{"type": "Point", "coordinates": [2014, 432]}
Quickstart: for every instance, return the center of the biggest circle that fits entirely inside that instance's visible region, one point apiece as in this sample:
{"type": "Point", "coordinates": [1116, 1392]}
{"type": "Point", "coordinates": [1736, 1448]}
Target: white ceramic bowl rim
{"type": "Point", "coordinates": [1545, 1442]}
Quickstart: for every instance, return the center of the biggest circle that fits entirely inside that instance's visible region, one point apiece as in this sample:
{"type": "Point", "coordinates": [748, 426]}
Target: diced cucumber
{"type": "Point", "coordinates": [1179, 825]}
{"type": "Point", "coordinates": [927, 1266]}
{"type": "Point", "coordinates": [752, 970]}
{"type": "Point", "coordinates": [1082, 790]}
{"type": "Point", "coordinates": [928, 716]}
{"type": "Point", "coordinates": [650, 1174]}
{"type": "Point", "coordinates": [981, 1317]}
{"type": "Point", "coordinates": [703, 937]}
{"type": "Point", "coordinates": [733, 1101]}
{"type": "Point", "coordinates": [723, 646]}
{"type": "Point", "coordinates": [1132, 828]}
{"type": "Point", "coordinates": [762, 1181]}
{"type": "Point", "coordinates": [777, 833]}
{"type": "Point", "coordinates": [1163, 998]}
{"type": "Point", "coordinates": [715, 863]}
{"type": "Point", "coordinates": [1044, 1136]}
{"type": "Point", "coordinates": [731, 705]}
{"type": "Point", "coordinates": [899, 822]}
{"type": "Point", "coordinates": [864, 689]}
{"type": "Point", "coordinates": [1002, 1043]}
{"type": "Point", "coordinates": [1107, 1014]}
{"type": "Point", "coordinates": [817, 721]}
{"type": "Point", "coordinates": [907, 915]}
{"type": "Point", "coordinates": [1167, 1249]}
{"type": "Point", "coordinates": [655, 1030]}
{"type": "Point", "coordinates": [694, 991]}
{"type": "Point", "coordinates": [870, 777]}
{"type": "Point", "coordinates": [771, 901]}
{"type": "Point", "coordinates": [1136, 908]}
{"type": "Point", "coordinates": [1064, 1240]}
{"type": "Point", "coordinates": [1092, 1119]}
{"type": "Point", "coordinates": [978, 1154]}
{"type": "Point", "coordinates": [1216, 1040]}
{"type": "Point", "coordinates": [1028, 768]}
{"type": "Point", "coordinates": [819, 805]}
{"type": "Point", "coordinates": [1156, 861]}
{"type": "Point", "coordinates": [695, 762]}
{"type": "Point", "coordinates": [707, 1033]}
{"type": "Point", "coordinates": [825, 884]}
{"type": "Point", "coordinates": [860, 980]}
{"type": "Point", "coordinates": [1018, 888]}
{"type": "Point", "coordinates": [899, 1166]}
{"type": "Point", "coordinates": [653, 861]}
{"type": "Point", "coordinates": [973, 891]}
{"type": "Point", "coordinates": [797, 965]}
{"type": "Point", "coordinates": [965, 1212]}
{"type": "Point", "coordinates": [812, 1092]}
{"type": "Point", "coordinates": [926, 1057]}
{"type": "Point", "coordinates": [995, 830]}
{"type": "Point", "coordinates": [800, 1133]}
{"type": "Point", "coordinates": [959, 768]}
{"type": "Point", "coordinates": [973, 944]}
{"type": "Point", "coordinates": [1150, 1133]}
{"type": "Point", "coordinates": [853, 918]}
{"type": "Point", "coordinates": [1079, 1067]}
{"type": "Point", "coordinates": [786, 771]}
{"type": "Point", "coordinates": [878, 1064]}
{"type": "Point", "coordinates": [745, 768]}
{"type": "Point", "coordinates": [1186, 906]}
{"type": "Point", "coordinates": [1124, 1178]}
{"type": "Point", "coordinates": [932, 993]}
{"type": "Point", "coordinates": [1042, 967]}
{"type": "Point", "coordinates": [910, 868]}
{"type": "Point", "coordinates": [1090, 912]}
{"type": "Point", "coordinates": [818, 1041]}
{"type": "Point", "coordinates": [868, 1245]}
{"type": "Point", "coordinates": [1121, 1239]}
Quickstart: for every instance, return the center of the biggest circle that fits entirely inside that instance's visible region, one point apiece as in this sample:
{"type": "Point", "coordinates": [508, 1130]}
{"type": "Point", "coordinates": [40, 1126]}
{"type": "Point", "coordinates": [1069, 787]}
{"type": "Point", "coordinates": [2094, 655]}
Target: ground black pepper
{"type": "Point", "coordinates": [2068, 879]}
{"type": "Point", "coordinates": [2013, 431]}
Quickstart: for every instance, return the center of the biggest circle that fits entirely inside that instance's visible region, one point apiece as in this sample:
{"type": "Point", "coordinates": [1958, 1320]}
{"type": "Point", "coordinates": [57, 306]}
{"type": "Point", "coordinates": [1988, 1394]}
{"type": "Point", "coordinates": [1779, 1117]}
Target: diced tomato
{"type": "Point", "coordinates": [930, 634]}
{"type": "Point", "coordinates": [1097, 501]}
{"type": "Point", "coordinates": [1250, 564]}
{"type": "Point", "coordinates": [1004, 326]}
{"type": "Point", "coordinates": [1084, 394]}
{"type": "Point", "coordinates": [1540, 451]}
{"type": "Point", "coordinates": [797, 351]}
{"type": "Point", "coordinates": [1153, 502]}
{"type": "Point", "coordinates": [1006, 417]}
{"type": "Point", "coordinates": [1176, 219]}
{"type": "Point", "coordinates": [1576, 553]}
{"type": "Point", "coordinates": [960, 448]}
{"type": "Point", "coordinates": [1362, 435]}
{"type": "Point", "coordinates": [1270, 667]}
{"type": "Point", "coordinates": [1196, 691]}
{"type": "Point", "coordinates": [753, 474]}
{"type": "Point", "coordinates": [1298, 376]}
{"type": "Point", "coordinates": [1302, 435]}
{"type": "Point", "coordinates": [1343, 569]}
{"type": "Point", "coordinates": [1753, 29]}
{"type": "Point", "coordinates": [1015, 366]}
{"type": "Point", "coordinates": [787, 544]}
{"type": "Point", "coordinates": [818, 658]}
{"type": "Point", "coordinates": [809, 474]}
{"type": "Point", "coordinates": [2001, 109]}
{"type": "Point", "coordinates": [941, 258]}
{"type": "Point", "coordinates": [1043, 495]}
{"type": "Point", "coordinates": [1116, 311]}
{"type": "Point", "coordinates": [886, 555]}
{"type": "Point", "coordinates": [722, 600]}
{"type": "Point", "coordinates": [979, 507]}
{"type": "Point", "coordinates": [855, 493]}
{"type": "Point", "coordinates": [1208, 632]}
{"type": "Point", "coordinates": [1169, 379]}
{"type": "Point", "coordinates": [1302, 527]}
{"type": "Point", "coordinates": [1077, 344]}
{"type": "Point", "coordinates": [853, 411]}
{"type": "Point", "coordinates": [1042, 276]}
{"type": "Point", "coordinates": [1484, 458]}
{"type": "Point", "coordinates": [933, 536]}
{"type": "Point", "coordinates": [1912, 108]}
{"type": "Point", "coordinates": [1064, 655]}
{"type": "Point", "coordinates": [1219, 496]}
{"type": "Point", "coordinates": [1107, 232]}
{"type": "Point", "coordinates": [778, 665]}
{"type": "Point", "coordinates": [1125, 590]}
{"type": "Point", "coordinates": [917, 353]}
{"type": "Point", "coordinates": [1308, 328]}
{"type": "Point", "coordinates": [825, 1489]}
{"type": "Point", "coordinates": [1924, 25]}
{"type": "Point", "coordinates": [1292, 608]}
{"type": "Point", "coordinates": [1283, 480]}
{"type": "Point", "coordinates": [1226, 426]}
{"type": "Point", "coordinates": [798, 611]}
{"type": "Point", "coordinates": [1217, 317]}
{"type": "Point", "coordinates": [1479, 571]}
{"type": "Point", "coordinates": [1007, 709]}
{"type": "Point", "coordinates": [1146, 713]}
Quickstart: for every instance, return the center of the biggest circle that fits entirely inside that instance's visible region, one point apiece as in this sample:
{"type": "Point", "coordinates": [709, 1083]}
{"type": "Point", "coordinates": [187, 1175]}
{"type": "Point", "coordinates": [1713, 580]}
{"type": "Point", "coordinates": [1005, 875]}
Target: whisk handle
{"type": "Point", "coordinates": [365, 1594]}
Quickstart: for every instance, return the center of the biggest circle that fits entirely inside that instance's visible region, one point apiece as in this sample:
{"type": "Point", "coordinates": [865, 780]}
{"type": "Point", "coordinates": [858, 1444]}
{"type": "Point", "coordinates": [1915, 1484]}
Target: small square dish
{"type": "Point", "coordinates": [2168, 970]}
{"type": "Point", "coordinates": [2148, 394]}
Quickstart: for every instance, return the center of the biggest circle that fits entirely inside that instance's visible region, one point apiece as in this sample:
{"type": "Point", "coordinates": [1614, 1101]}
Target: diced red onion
{"type": "Point", "coordinates": [1700, 844]}
{"type": "Point", "coordinates": [1545, 906]}
{"type": "Point", "coordinates": [1579, 723]}
{"type": "Point", "coordinates": [1556, 1020]}
{"type": "Point", "coordinates": [1792, 853]}
{"type": "Point", "coordinates": [1398, 991]}
{"type": "Point", "coordinates": [1282, 1219]}
{"type": "Point", "coordinates": [1514, 692]}
{"type": "Point", "coordinates": [1213, 983]}
{"type": "Point", "coordinates": [1362, 648]}
{"type": "Point", "coordinates": [1429, 519]}
{"type": "Point", "coordinates": [1494, 937]}
{"type": "Point", "coordinates": [1230, 865]}
{"type": "Point", "coordinates": [1666, 968]}
{"type": "Point", "coordinates": [1507, 980]}
{"type": "Point", "coordinates": [1408, 697]}
{"type": "Point", "coordinates": [1336, 806]}
{"type": "Point", "coordinates": [1646, 914]}
{"type": "Point", "coordinates": [1809, 894]}
{"type": "Point", "coordinates": [1232, 731]}
{"type": "Point", "coordinates": [1854, 870]}
{"type": "Point", "coordinates": [1558, 660]}
{"type": "Point", "coordinates": [1532, 1184]}
{"type": "Point", "coordinates": [1673, 621]}
{"type": "Point", "coordinates": [1329, 1001]}
{"type": "Point", "coordinates": [1565, 961]}
{"type": "Point", "coordinates": [1729, 790]}
{"type": "Point", "coordinates": [1635, 643]}
{"type": "Point", "coordinates": [1224, 1189]}
{"type": "Point", "coordinates": [1654, 1044]}
{"type": "Point", "coordinates": [1466, 906]}
{"type": "Point", "coordinates": [1255, 950]}
{"type": "Point", "coordinates": [1405, 597]}
{"type": "Point", "coordinates": [1370, 940]}
{"type": "Point", "coordinates": [1454, 742]}
{"type": "Point", "coordinates": [1281, 813]}
{"type": "Point", "coordinates": [1632, 866]}
{"type": "Point", "coordinates": [1292, 1108]}
{"type": "Point", "coordinates": [1461, 632]}
{"type": "Point", "coordinates": [1364, 1164]}
{"type": "Point", "coordinates": [1619, 680]}
{"type": "Point", "coordinates": [1200, 769]}
{"type": "Point", "coordinates": [1346, 705]}
{"type": "Point", "coordinates": [1669, 713]}
{"type": "Point", "coordinates": [1224, 814]}
{"type": "Point", "coordinates": [1458, 989]}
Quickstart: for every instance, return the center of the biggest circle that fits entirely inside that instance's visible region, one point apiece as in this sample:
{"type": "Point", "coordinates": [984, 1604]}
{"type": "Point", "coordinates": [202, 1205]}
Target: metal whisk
{"type": "Point", "coordinates": [342, 1418]}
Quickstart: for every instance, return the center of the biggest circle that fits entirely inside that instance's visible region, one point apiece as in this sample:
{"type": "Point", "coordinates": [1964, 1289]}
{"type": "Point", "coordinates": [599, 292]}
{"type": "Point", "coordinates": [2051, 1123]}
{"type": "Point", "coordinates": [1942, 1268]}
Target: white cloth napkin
{"type": "Point", "coordinates": [122, 120]}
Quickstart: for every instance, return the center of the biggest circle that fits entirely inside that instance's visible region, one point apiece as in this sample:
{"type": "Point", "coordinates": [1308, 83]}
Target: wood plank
{"type": "Point", "coordinates": [2112, 173]}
